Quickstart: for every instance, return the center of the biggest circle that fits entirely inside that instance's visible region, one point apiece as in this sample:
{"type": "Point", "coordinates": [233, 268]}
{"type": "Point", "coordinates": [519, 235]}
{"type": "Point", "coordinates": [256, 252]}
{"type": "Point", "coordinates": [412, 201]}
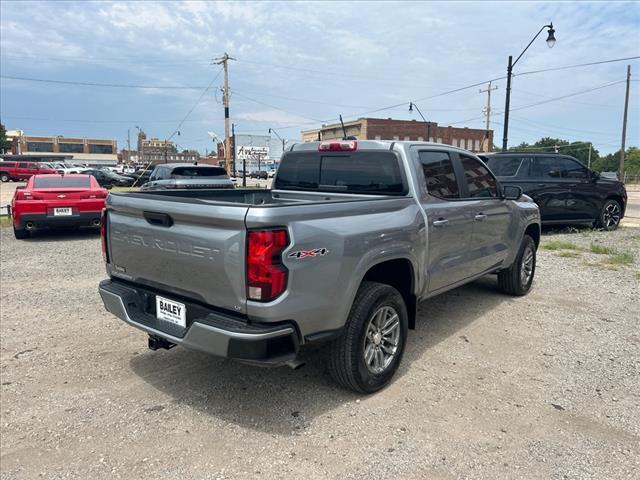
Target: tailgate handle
{"type": "Point", "coordinates": [159, 219]}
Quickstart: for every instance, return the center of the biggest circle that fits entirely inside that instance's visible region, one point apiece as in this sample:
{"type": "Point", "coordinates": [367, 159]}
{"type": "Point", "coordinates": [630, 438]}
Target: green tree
{"type": "Point", "coordinates": [5, 144]}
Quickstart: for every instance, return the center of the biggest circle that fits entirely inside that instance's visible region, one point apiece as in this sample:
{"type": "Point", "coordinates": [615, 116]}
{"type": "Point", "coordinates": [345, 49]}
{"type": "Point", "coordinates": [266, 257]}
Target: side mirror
{"type": "Point", "coordinates": [594, 175]}
{"type": "Point", "coordinates": [511, 192]}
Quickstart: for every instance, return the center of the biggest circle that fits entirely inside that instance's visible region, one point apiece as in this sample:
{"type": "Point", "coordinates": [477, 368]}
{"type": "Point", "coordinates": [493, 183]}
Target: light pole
{"type": "Point", "coordinates": [551, 41]}
{"type": "Point", "coordinates": [411, 106]}
{"type": "Point", "coordinates": [271, 130]}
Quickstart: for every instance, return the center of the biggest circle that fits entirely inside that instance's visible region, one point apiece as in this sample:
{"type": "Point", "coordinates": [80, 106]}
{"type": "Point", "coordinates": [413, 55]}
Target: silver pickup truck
{"type": "Point", "coordinates": [351, 236]}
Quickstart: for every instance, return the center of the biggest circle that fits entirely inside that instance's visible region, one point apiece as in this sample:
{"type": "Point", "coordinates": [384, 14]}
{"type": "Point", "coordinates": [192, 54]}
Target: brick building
{"type": "Point", "coordinates": [475, 140]}
{"type": "Point", "coordinates": [154, 150]}
{"type": "Point", "coordinates": [92, 151]}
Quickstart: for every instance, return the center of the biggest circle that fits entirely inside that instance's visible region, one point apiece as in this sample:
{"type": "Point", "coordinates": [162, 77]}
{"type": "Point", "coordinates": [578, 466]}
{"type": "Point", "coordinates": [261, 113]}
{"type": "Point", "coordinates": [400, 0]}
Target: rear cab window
{"type": "Point", "coordinates": [53, 181]}
{"type": "Point", "coordinates": [198, 172]}
{"type": "Point", "coordinates": [479, 180]}
{"type": "Point", "coordinates": [364, 172]}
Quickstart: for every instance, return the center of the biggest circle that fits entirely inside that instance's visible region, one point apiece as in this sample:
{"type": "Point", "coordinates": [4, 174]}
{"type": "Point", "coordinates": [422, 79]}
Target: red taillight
{"type": "Point", "coordinates": [103, 235]}
{"type": "Point", "coordinates": [266, 275]}
{"type": "Point", "coordinates": [22, 195]}
{"type": "Point", "coordinates": [338, 146]}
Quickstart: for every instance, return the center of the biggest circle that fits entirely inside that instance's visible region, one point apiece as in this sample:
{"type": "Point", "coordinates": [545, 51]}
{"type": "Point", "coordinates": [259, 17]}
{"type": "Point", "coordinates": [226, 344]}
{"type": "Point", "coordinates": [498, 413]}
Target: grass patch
{"type": "Point", "coordinates": [124, 189]}
{"type": "Point", "coordinates": [601, 265]}
{"type": "Point", "coordinates": [560, 245]}
{"type": "Point", "coordinates": [568, 254]}
{"type": "Point", "coordinates": [602, 250]}
{"type": "Point", "coordinates": [5, 221]}
{"type": "Point", "coordinates": [619, 259]}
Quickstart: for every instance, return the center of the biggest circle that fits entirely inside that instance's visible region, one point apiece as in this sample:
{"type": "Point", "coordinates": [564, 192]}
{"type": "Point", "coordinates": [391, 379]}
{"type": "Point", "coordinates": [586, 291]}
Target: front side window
{"type": "Point", "coordinates": [557, 167]}
{"type": "Point", "coordinates": [439, 176]}
{"type": "Point", "coordinates": [480, 182]}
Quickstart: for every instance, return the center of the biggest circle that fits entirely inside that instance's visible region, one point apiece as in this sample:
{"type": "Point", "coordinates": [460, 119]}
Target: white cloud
{"type": "Point", "coordinates": [275, 117]}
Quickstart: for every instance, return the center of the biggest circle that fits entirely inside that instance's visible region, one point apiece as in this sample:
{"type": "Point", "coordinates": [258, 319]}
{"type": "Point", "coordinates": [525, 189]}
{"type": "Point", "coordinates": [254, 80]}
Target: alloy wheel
{"type": "Point", "coordinates": [382, 339]}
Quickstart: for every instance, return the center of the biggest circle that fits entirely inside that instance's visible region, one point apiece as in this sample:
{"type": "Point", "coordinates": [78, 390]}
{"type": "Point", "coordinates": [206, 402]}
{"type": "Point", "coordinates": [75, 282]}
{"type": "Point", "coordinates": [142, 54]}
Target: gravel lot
{"type": "Point", "coordinates": [544, 386]}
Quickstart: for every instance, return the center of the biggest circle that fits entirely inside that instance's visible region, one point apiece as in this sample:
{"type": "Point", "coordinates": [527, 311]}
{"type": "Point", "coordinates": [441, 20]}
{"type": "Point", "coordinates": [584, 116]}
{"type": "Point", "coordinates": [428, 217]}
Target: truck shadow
{"type": "Point", "coordinates": [282, 401]}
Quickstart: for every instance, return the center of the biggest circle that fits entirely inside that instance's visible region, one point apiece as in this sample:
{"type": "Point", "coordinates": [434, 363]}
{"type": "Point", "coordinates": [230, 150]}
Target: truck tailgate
{"type": "Point", "coordinates": [191, 249]}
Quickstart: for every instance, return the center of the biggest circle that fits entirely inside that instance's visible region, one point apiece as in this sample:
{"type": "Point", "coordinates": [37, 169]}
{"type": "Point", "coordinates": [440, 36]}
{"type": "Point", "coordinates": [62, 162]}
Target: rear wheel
{"type": "Point", "coordinates": [4, 177]}
{"type": "Point", "coordinates": [20, 233]}
{"type": "Point", "coordinates": [610, 215]}
{"type": "Point", "coordinates": [517, 279]}
{"type": "Point", "coordinates": [366, 356]}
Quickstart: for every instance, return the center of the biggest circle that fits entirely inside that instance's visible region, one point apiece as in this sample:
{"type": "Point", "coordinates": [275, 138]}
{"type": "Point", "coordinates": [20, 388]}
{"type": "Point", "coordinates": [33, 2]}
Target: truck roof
{"type": "Point", "coordinates": [374, 145]}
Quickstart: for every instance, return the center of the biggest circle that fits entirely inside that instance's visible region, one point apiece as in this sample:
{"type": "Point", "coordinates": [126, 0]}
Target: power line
{"type": "Point", "coordinates": [195, 104]}
{"type": "Point", "coordinates": [95, 84]}
{"type": "Point", "coordinates": [275, 107]}
{"type": "Point", "coordinates": [553, 69]}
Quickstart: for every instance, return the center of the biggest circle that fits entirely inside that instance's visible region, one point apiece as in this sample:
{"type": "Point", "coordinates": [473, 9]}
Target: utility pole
{"type": "Point", "coordinates": [624, 125]}
{"type": "Point", "coordinates": [224, 60]}
{"type": "Point", "coordinates": [488, 113]}
{"type": "Point", "coordinates": [128, 146]}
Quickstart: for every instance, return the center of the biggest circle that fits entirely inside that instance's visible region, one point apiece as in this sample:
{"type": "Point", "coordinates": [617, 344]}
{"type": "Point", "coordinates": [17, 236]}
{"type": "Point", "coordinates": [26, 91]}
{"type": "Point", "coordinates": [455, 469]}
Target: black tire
{"type": "Point", "coordinates": [512, 280]}
{"type": "Point", "coordinates": [4, 177]}
{"type": "Point", "coordinates": [610, 215]}
{"type": "Point", "coordinates": [20, 233]}
{"type": "Point", "coordinates": [346, 354]}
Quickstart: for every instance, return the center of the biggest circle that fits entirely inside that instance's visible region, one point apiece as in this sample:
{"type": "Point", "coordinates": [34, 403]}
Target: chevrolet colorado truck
{"type": "Point", "coordinates": [352, 235]}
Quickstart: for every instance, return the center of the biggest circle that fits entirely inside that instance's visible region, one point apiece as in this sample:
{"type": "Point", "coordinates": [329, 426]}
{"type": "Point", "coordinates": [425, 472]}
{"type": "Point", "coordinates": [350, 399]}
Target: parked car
{"type": "Point", "coordinates": [108, 179]}
{"type": "Point", "coordinates": [18, 171]}
{"type": "Point", "coordinates": [272, 173]}
{"type": "Point", "coordinates": [565, 190]}
{"type": "Point", "coordinates": [140, 177]}
{"type": "Point", "coordinates": [262, 174]}
{"type": "Point", "coordinates": [187, 175]}
{"type": "Point", "coordinates": [352, 236]}
{"type": "Point", "coordinates": [56, 201]}
{"type": "Point", "coordinates": [70, 168]}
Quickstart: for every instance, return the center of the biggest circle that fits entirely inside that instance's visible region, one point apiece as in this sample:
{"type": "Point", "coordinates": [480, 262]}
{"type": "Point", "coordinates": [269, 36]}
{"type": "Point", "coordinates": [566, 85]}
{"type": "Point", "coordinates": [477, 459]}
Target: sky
{"type": "Point", "coordinates": [298, 65]}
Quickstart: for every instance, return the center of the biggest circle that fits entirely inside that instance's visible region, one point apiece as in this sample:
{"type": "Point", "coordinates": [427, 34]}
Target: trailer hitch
{"type": "Point", "coordinates": [156, 342]}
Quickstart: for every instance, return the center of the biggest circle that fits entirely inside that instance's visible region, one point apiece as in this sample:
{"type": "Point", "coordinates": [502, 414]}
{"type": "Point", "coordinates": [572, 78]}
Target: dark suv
{"type": "Point", "coordinates": [565, 190]}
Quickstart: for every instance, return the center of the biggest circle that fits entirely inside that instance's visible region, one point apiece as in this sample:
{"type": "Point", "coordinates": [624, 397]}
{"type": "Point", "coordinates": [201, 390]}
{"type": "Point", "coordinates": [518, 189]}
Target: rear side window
{"type": "Point", "coordinates": [504, 167]}
{"type": "Point", "coordinates": [480, 182]}
{"type": "Point", "coordinates": [439, 175]}
{"type": "Point", "coordinates": [376, 173]}
{"type": "Point", "coordinates": [54, 181]}
{"type": "Point", "coordinates": [198, 172]}
{"type": "Point", "coordinates": [7, 164]}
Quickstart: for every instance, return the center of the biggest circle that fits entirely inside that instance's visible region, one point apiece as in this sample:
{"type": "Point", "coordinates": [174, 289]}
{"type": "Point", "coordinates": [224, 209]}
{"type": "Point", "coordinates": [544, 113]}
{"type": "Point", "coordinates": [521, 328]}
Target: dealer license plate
{"type": "Point", "coordinates": [62, 211]}
{"type": "Point", "coordinates": [171, 311]}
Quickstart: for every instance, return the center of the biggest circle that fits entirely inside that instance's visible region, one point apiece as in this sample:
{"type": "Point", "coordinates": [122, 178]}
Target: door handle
{"type": "Point", "coordinates": [480, 217]}
{"type": "Point", "coordinates": [572, 185]}
{"type": "Point", "coordinates": [542, 184]}
{"type": "Point", "coordinates": [441, 222]}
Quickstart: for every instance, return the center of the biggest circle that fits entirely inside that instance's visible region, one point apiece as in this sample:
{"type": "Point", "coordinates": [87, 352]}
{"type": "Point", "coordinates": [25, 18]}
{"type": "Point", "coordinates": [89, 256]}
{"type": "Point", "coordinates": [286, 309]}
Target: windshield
{"type": "Point", "coordinates": [376, 173]}
{"type": "Point", "coordinates": [54, 181]}
{"type": "Point", "coordinates": [198, 172]}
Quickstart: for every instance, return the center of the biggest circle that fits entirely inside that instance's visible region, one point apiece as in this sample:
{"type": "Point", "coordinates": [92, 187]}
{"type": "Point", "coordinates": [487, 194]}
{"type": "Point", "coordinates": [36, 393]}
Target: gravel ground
{"type": "Point", "coordinates": [543, 386]}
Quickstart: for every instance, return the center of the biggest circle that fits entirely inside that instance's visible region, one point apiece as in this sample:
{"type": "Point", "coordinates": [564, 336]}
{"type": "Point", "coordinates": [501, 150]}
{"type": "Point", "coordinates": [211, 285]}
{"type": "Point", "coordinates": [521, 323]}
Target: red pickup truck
{"type": "Point", "coordinates": [22, 170]}
{"type": "Point", "coordinates": [48, 201]}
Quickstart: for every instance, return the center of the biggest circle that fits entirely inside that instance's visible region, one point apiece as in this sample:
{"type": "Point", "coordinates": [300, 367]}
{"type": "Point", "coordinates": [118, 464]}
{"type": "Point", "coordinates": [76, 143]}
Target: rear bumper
{"type": "Point", "coordinates": [207, 330]}
{"type": "Point", "coordinates": [42, 220]}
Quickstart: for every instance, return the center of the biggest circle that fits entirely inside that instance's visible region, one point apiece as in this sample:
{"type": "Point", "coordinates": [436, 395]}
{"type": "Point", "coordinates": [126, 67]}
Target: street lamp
{"type": "Point", "coordinates": [551, 41]}
{"type": "Point", "coordinates": [271, 130]}
{"type": "Point", "coordinates": [411, 106]}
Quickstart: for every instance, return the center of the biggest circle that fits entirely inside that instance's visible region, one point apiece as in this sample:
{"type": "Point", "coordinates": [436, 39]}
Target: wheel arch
{"type": "Point", "coordinates": [400, 274]}
{"type": "Point", "coordinates": [533, 230]}
{"type": "Point", "coordinates": [618, 198]}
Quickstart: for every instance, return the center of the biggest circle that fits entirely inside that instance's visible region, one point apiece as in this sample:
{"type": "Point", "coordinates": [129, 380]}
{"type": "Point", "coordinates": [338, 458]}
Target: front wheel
{"type": "Point", "coordinates": [366, 356]}
{"type": "Point", "coordinates": [4, 177]}
{"type": "Point", "coordinates": [517, 279]}
{"type": "Point", "coordinates": [610, 215]}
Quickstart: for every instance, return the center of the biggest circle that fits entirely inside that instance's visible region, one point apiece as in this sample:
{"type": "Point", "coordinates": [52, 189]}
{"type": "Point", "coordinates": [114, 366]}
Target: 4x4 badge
{"type": "Point", "coordinates": [308, 253]}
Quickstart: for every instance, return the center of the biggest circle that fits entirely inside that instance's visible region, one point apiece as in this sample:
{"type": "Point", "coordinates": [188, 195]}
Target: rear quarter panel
{"type": "Point", "coordinates": [356, 235]}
